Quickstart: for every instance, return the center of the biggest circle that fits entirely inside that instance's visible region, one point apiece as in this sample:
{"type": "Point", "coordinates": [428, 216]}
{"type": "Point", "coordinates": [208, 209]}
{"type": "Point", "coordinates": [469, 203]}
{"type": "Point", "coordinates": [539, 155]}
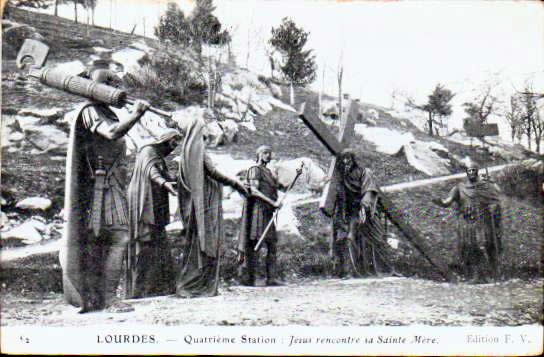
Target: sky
{"type": "Point", "coordinates": [404, 47]}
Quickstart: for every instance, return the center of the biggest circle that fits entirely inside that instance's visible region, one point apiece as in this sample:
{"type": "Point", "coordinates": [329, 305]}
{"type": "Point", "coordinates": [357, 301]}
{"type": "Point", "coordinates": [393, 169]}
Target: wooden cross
{"type": "Point", "coordinates": [327, 202]}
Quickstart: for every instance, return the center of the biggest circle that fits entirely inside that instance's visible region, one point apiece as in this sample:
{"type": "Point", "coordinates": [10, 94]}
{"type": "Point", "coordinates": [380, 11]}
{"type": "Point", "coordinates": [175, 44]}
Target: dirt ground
{"type": "Point", "coordinates": [386, 301]}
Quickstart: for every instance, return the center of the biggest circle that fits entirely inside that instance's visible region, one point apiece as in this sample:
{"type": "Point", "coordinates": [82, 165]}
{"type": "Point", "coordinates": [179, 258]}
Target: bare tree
{"type": "Point", "coordinates": [529, 113]}
{"type": "Point", "coordinates": [537, 125]}
{"type": "Point", "coordinates": [339, 77]}
{"type": "Point", "coordinates": [483, 105]}
{"type": "Point", "coordinates": [513, 116]}
{"type": "Point", "coordinates": [321, 91]}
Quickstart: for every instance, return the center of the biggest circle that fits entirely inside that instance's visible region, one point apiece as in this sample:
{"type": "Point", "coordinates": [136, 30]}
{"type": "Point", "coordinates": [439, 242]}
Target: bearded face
{"type": "Point", "coordinates": [348, 163]}
{"type": "Point", "coordinates": [265, 156]}
{"type": "Point", "coordinates": [173, 143]}
{"type": "Point", "coordinates": [472, 174]}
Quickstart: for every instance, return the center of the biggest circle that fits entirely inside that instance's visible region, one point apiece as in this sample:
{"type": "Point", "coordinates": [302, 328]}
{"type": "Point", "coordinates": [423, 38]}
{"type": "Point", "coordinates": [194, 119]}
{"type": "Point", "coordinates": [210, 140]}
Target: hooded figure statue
{"type": "Point", "coordinates": [200, 188]}
{"type": "Point", "coordinates": [149, 263]}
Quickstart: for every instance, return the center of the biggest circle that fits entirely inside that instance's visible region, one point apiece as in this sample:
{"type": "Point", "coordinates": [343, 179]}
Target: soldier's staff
{"type": "Point", "coordinates": [261, 239]}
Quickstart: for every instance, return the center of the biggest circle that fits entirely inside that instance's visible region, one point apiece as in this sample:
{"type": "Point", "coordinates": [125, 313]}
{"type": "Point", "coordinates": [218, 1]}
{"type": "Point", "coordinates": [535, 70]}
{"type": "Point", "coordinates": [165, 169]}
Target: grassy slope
{"type": "Point", "coordinates": [40, 175]}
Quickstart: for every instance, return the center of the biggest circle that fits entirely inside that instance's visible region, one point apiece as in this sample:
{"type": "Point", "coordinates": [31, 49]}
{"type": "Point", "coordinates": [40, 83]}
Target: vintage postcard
{"type": "Point", "coordinates": [308, 177]}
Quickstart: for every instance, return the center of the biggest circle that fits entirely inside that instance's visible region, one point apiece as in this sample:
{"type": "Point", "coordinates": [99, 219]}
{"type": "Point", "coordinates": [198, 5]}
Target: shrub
{"type": "Point", "coordinates": [522, 182]}
{"type": "Point", "coordinates": [168, 76]}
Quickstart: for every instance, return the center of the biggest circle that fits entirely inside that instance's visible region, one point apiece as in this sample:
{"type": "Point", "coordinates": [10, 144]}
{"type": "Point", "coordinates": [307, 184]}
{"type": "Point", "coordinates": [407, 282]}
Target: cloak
{"type": "Point", "coordinates": [146, 205]}
{"type": "Point", "coordinates": [77, 199]}
{"type": "Point", "coordinates": [199, 194]}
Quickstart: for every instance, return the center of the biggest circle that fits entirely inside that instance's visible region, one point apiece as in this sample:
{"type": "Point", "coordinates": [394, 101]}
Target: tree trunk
{"type": "Point", "coordinates": [75, 11]}
{"type": "Point", "coordinates": [210, 86]}
{"type": "Point", "coordinates": [56, 7]}
{"type": "Point", "coordinates": [430, 123]}
{"type": "Point", "coordinates": [272, 67]}
{"type": "Point", "coordinates": [291, 94]}
{"type": "Point", "coordinates": [340, 106]}
{"type": "Point", "coordinates": [513, 134]}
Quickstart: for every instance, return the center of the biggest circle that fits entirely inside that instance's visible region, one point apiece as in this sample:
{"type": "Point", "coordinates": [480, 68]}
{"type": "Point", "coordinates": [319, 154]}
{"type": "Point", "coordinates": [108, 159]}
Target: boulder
{"type": "Point", "coordinates": [534, 165]}
{"type": "Point", "coordinates": [47, 113]}
{"type": "Point", "coordinates": [38, 224]}
{"type": "Point", "coordinates": [189, 112]}
{"type": "Point", "coordinates": [139, 135]}
{"type": "Point", "coordinates": [4, 220]}
{"type": "Point", "coordinates": [386, 140]}
{"type": "Point", "coordinates": [15, 35]}
{"type": "Point", "coordinates": [101, 50]}
{"type": "Point", "coordinates": [47, 138]}
{"type": "Point", "coordinates": [275, 90]}
{"type": "Point", "coordinates": [312, 178]}
{"type": "Point", "coordinates": [249, 125]}
{"type": "Point", "coordinates": [74, 68]}
{"type": "Point", "coordinates": [16, 136]}
{"type": "Point", "coordinates": [129, 58]}
{"type": "Point", "coordinates": [26, 233]}
{"type": "Point", "coordinates": [214, 134]}
{"type": "Point", "coordinates": [34, 203]}
{"type": "Point", "coordinates": [424, 157]}
{"type": "Point", "coordinates": [372, 115]}
{"type": "Point", "coordinates": [281, 105]}
{"type": "Point", "coordinates": [230, 130]}
{"type": "Point", "coordinates": [229, 166]}
{"type": "Point", "coordinates": [141, 46]}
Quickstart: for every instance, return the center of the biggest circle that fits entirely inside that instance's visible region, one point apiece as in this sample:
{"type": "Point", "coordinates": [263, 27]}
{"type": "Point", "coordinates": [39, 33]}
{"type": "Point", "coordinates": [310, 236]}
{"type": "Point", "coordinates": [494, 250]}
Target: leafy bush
{"type": "Point", "coordinates": [166, 76]}
{"type": "Point", "coordinates": [200, 27]}
{"type": "Point", "coordinates": [522, 182]}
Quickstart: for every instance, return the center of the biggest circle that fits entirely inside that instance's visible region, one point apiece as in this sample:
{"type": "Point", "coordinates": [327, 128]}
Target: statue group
{"type": "Point", "coordinates": [113, 228]}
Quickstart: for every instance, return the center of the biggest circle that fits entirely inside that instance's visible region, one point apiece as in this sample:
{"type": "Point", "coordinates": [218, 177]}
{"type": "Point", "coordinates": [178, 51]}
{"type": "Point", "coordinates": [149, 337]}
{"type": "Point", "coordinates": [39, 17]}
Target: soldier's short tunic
{"type": "Point", "coordinates": [258, 213]}
{"type": "Point", "coordinates": [115, 207]}
{"type": "Point", "coordinates": [478, 227]}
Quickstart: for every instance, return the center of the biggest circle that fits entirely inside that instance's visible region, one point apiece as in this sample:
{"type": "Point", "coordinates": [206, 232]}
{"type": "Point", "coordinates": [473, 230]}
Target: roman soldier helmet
{"type": "Point", "coordinates": [99, 71]}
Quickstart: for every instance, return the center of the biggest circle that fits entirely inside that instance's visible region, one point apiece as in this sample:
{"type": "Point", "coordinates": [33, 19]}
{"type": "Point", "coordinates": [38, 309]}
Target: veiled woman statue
{"type": "Point", "coordinates": [200, 194]}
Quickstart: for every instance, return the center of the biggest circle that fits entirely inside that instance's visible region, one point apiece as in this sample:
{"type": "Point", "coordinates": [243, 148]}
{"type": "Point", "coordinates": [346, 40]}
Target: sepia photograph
{"type": "Point", "coordinates": [272, 177]}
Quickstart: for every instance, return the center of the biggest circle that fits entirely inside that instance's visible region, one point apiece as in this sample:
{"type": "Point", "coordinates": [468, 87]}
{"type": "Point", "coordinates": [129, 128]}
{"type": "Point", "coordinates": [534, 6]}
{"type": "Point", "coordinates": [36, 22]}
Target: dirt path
{"type": "Point", "coordinates": [332, 302]}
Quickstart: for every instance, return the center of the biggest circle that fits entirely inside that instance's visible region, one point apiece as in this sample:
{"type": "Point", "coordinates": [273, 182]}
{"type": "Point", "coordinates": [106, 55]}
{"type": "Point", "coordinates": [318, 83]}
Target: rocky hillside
{"type": "Point", "coordinates": [250, 111]}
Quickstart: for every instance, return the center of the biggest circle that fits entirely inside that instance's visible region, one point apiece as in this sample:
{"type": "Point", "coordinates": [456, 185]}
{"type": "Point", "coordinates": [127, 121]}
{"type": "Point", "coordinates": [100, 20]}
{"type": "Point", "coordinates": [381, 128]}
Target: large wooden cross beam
{"type": "Point", "coordinates": [327, 202]}
{"type": "Point", "coordinates": [335, 146]}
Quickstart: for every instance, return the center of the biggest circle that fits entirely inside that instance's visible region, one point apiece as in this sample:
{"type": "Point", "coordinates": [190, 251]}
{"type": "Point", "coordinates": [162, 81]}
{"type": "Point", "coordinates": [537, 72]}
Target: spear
{"type": "Point", "coordinates": [299, 172]}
